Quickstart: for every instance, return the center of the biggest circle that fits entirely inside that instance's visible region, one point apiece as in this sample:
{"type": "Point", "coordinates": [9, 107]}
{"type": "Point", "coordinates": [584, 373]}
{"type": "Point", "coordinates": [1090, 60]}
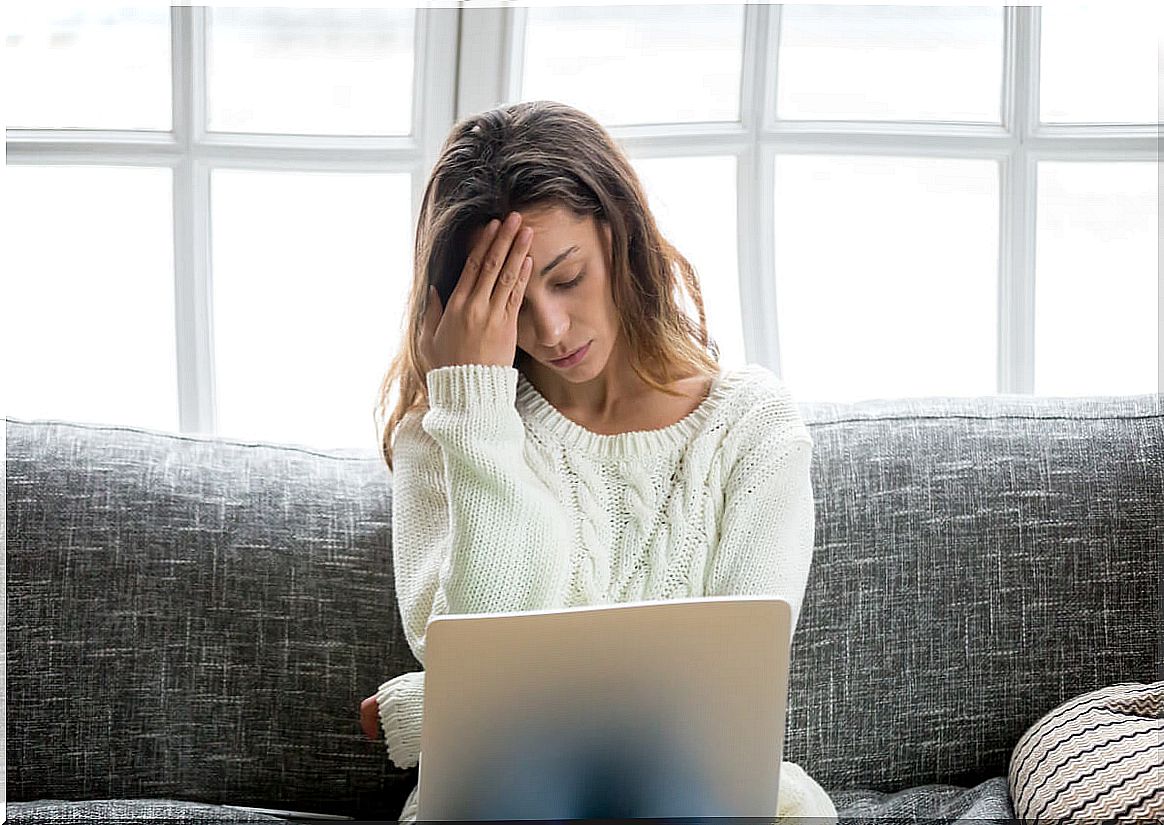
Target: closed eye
{"type": "Point", "coordinates": [562, 286]}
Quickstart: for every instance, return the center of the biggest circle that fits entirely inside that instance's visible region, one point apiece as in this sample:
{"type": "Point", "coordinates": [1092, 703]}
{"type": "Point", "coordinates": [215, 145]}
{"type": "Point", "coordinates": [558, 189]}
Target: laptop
{"type": "Point", "coordinates": [669, 709]}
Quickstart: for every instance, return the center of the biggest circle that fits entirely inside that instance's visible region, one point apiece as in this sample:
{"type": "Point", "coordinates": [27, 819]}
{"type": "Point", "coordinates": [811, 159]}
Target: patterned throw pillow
{"type": "Point", "coordinates": [1098, 756]}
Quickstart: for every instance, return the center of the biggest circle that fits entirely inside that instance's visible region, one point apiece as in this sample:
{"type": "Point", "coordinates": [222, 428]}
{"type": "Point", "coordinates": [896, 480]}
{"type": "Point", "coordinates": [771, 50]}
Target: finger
{"type": "Point", "coordinates": [511, 273]}
{"type": "Point", "coordinates": [370, 717]}
{"type": "Point", "coordinates": [517, 294]}
{"type": "Point", "coordinates": [495, 259]}
{"type": "Point", "coordinates": [474, 261]}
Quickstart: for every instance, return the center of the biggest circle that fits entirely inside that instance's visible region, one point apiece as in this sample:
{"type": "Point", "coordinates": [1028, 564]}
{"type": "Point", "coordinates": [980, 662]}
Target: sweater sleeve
{"type": "Point", "coordinates": [768, 522]}
{"type": "Point", "coordinates": [473, 528]}
{"type": "Point", "coordinates": [401, 703]}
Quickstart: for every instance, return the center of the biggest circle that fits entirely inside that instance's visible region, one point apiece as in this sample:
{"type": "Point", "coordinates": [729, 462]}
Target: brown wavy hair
{"type": "Point", "coordinates": [533, 155]}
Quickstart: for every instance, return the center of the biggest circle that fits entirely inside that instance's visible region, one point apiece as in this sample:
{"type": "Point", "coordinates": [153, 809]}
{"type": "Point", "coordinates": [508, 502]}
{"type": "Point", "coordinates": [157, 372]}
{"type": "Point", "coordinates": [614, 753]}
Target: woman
{"type": "Point", "coordinates": [563, 434]}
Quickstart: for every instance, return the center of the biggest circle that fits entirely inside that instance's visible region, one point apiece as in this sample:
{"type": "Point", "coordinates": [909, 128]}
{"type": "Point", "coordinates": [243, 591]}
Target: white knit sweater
{"type": "Point", "coordinates": [501, 503]}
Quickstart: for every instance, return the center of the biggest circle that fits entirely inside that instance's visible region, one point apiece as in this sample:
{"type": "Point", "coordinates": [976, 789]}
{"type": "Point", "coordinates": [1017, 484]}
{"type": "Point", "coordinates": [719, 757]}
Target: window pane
{"type": "Point", "coordinates": [311, 275]}
{"type": "Point", "coordinates": [886, 276]}
{"type": "Point", "coordinates": [89, 295]}
{"type": "Point", "coordinates": [890, 63]}
{"type": "Point", "coordinates": [89, 68]}
{"type": "Point", "coordinates": [310, 71]}
{"type": "Point", "coordinates": [636, 64]}
{"type": "Point", "coordinates": [1096, 292]}
{"type": "Point", "coordinates": [1117, 82]}
{"type": "Point", "coordinates": [694, 203]}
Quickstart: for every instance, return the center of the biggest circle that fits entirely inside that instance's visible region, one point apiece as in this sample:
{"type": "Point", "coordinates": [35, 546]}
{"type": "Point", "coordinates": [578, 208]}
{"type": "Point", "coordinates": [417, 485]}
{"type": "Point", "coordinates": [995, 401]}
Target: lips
{"type": "Point", "coordinates": [573, 357]}
{"type": "Point", "coordinates": [569, 354]}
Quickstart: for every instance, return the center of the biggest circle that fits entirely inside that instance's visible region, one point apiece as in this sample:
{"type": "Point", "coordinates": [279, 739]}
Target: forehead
{"type": "Point", "coordinates": [550, 224]}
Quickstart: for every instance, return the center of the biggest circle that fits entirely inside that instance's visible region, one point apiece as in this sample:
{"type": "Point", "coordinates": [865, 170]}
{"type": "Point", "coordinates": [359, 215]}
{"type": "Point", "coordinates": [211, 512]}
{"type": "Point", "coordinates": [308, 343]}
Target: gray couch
{"type": "Point", "coordinates": [193, 622]}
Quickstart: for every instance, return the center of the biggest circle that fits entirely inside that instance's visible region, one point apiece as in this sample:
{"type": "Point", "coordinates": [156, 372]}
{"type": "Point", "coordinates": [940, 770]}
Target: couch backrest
{"type": "Point", "coordinates": [199, 618]}
{"type": "Point", "coordinates": [976, 563]}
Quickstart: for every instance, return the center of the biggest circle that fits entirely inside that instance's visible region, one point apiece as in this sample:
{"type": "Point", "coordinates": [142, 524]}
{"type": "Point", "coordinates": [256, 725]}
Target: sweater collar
{"type": "Point", "coordinates": [544, 416]}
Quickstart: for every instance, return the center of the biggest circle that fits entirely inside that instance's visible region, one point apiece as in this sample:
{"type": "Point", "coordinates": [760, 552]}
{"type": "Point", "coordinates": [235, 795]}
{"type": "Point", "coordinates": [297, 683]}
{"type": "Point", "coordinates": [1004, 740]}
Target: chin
{"type": "Point", "coordinates": [595, 364]}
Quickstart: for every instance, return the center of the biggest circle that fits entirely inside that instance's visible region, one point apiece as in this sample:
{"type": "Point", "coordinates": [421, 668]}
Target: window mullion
{"type": "Point", "coordinates": [192, 321]}
{"type": "Point", "coordinates": [435, 90]}
{"type": "Point", "coordinates": [755, 193]}
{"type": "Point", "coordinates": [1016, 306]}
{"type": "Point", "coordinates": [485, 57]}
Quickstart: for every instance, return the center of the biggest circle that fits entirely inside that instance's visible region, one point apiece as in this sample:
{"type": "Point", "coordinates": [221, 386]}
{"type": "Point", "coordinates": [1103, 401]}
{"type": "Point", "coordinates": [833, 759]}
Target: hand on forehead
{"type": "Point", "coordinates": [554, 228]}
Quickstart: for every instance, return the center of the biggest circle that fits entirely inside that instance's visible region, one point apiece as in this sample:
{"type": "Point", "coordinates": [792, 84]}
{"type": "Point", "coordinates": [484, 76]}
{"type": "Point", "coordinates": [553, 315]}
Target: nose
{"type": "Point", "coordinates": [550, 324]}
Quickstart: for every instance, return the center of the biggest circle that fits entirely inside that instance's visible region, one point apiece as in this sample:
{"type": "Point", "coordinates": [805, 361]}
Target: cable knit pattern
{"type": "Point", "coordinates": [593, 528]}
{"type": "Point", "coordinates": [501, 503]}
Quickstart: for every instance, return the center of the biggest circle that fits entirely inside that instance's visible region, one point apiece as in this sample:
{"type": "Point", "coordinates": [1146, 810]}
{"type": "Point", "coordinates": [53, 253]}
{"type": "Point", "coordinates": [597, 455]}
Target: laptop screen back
{"type": "Point", "coordinates": [643, 709]}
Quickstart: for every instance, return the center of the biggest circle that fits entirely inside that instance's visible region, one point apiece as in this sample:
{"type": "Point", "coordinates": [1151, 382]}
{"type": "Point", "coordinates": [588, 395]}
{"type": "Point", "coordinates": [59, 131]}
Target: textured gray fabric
{"type": "Point", "coordinates": [987, 801]}
{"type": "Point", "coordinates": [977, 562]}
{"type": "Point", "coordinates": [126, 812]}
{"type": "Point", "coordinates": [198, 619]}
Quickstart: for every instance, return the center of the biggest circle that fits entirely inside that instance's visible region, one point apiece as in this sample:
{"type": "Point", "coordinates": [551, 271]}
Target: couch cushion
{"type": "Point", "coordinates": [977, 561]}
{"type": "Point", "coordinates": [127, 812]}
{"type": "Point", "coordinates": [1098, 756]}
{"type": "Point", "coordinates": [197, 618]}
{"type": "Point", "coordinates": [984, 802]}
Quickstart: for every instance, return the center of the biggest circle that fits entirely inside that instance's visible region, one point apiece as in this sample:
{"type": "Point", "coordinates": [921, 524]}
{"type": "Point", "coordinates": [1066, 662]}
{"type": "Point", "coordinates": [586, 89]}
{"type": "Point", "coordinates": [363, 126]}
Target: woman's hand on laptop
{"type": "Point", "coordinates": [370, 717]}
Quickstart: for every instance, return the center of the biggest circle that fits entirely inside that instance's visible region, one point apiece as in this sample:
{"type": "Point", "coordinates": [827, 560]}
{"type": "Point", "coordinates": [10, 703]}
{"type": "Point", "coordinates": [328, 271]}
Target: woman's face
{"type": "Point", "coordinates": [571, 306]}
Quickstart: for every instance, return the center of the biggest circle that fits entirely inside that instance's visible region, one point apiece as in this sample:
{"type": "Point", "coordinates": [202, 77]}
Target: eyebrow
{"type": "Point", "coordinates": [558, 259]}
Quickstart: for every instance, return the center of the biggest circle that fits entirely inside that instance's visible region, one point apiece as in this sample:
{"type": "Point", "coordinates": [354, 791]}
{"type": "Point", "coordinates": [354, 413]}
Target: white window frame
{"type": "Point", "coordinates": [469, 59]}
{"type": "Point", "coordinates": [491, 52]}
{"type": "Point", "coordinates": [191, 152]}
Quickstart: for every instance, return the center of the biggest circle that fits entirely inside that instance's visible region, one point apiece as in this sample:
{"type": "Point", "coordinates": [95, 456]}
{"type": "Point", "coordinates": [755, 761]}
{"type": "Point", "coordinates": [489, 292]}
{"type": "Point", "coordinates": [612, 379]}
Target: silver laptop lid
{"type": "Point", "coordinates": [641, 709]}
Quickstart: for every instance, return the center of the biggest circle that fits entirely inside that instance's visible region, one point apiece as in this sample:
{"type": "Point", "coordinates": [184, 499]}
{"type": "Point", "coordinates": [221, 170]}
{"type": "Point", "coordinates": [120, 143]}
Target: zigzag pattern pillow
{"type": "Point", "coordinates": [1098, 756]}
